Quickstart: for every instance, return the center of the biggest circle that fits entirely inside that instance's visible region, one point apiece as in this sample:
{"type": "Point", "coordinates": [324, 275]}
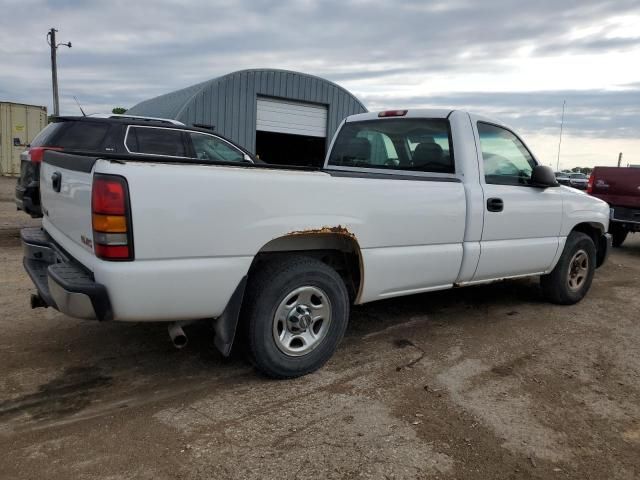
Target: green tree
{"type": "Point", "coordinates": [119, 110]}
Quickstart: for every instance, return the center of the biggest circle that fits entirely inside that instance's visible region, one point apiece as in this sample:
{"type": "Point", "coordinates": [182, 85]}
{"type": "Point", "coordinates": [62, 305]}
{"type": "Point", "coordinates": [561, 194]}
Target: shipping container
{"type": "Point", "coordinates": [19, 124]}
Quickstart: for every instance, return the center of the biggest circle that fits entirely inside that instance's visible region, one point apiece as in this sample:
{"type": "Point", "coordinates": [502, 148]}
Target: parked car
{"type": "Point", "coordinates": [106, 134]}
{"type": "Point", "coordinates": [620, 188]}
{"type": "Point", "coordinates": [562, 178]}
{"type": "Point", "coordinates": [406, 203]}
{"type": "Point", "coordinates": [578, 180]}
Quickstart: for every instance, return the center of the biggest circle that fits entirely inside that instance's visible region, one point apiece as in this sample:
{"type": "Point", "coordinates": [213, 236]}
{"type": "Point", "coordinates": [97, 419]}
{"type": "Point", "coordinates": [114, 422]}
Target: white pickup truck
{"type": "Point", "coordinates": [408, 201]}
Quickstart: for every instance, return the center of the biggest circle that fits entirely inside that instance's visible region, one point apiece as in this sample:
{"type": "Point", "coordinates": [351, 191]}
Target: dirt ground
{"type": "Point", "coordinates": [477, 383]}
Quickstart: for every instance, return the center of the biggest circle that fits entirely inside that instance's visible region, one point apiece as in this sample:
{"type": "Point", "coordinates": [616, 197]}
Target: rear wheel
{"type": "Point", "coordinates": [296, 313]}
{"type": "Point", "coordinates": [618, 233]}
{"type": "Point", "coordinates": [571, 278]}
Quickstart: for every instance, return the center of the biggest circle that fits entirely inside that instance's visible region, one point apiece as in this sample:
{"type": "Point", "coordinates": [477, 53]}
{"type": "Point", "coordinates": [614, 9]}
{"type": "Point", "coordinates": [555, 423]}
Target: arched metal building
{"type": "Point", "coordinates": [285, 117]}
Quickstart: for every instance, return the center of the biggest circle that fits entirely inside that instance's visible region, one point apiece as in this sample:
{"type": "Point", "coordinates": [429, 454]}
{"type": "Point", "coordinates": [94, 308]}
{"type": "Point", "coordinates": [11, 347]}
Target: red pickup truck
{"type": "Point", "coordinates": [620, 188]}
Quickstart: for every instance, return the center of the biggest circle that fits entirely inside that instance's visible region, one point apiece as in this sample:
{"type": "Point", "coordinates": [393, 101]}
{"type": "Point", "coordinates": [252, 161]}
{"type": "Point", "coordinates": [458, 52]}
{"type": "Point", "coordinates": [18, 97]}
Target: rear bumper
{"type": "Point", "coordinates": [628, 218]}
{"type": "Point", "coordinates": [61, 282]}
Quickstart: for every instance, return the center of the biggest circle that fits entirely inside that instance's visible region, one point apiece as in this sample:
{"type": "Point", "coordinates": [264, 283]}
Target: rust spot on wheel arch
{"type": "Point", "coordinates": [339, 229]}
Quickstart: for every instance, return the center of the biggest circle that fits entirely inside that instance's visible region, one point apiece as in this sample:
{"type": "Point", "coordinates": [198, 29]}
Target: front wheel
{"type": "Point", "coordinates": [296, 313]}
{"type": "Point", "coordinates": [571, 278]}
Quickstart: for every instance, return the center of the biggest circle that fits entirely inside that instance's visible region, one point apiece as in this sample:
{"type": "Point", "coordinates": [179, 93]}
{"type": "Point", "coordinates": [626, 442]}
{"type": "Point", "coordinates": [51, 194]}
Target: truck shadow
{"type": "Point", "coordinates": [111, 366]}
{"type": "Point", "coordinates": [508, 294]}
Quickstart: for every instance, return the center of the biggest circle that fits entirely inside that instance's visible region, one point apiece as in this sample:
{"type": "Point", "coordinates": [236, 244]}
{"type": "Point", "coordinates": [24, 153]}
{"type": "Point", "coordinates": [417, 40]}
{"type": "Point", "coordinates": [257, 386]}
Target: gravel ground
{"type": "Point", "coordinates": [477, 383]}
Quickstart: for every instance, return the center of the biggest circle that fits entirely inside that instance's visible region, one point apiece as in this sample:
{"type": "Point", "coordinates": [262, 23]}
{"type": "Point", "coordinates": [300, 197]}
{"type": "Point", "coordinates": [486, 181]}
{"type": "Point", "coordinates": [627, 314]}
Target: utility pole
{"type": "Point", "coordinates": [51, 40]}
{"type": "Point", "coordinates": [619, 159]}
{"type": "Point", "coordinates": [560, 142]}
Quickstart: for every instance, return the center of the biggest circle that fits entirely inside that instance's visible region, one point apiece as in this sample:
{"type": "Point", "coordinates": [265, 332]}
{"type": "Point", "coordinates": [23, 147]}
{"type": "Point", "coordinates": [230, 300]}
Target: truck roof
{"type": "Point", "coordinates": [418, 113]}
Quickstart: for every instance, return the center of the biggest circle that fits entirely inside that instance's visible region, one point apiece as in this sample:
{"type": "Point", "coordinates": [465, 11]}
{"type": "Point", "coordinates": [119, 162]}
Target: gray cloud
{"type": "Point", "coordinates": [594, 113]}
{"type": "Point", "coordinates": [125, 51]}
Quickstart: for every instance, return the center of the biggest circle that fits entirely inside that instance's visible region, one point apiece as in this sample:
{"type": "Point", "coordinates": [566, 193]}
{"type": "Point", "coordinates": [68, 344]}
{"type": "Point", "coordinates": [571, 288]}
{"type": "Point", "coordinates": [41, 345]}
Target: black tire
{"type": "Point", "coordinates": [619, 234]}
{"type": "Point", "coordinates": [556, 285]}
{"type": "Point", "coordinates": [272, 283]}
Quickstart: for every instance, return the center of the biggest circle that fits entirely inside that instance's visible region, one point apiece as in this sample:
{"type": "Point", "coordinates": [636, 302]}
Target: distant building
{"type": "Point", "coordinates": [284, 117]}
{"type": "Point", "coordinates": [19, 124]}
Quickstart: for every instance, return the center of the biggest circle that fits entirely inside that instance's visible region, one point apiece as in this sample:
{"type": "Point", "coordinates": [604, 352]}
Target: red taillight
{"type": "Point", "coordinates": [108, 196]}
{"type": "Point", "coordinates": [36, 154]}
{"type": "Point", "coordinates": [590, 184]}
{"type": "Point", "coordinates": [112, 236]}
{"type": "Point", "coordinates": [393, 113]}
{"type": "Point", "coordinates": [112, 252]}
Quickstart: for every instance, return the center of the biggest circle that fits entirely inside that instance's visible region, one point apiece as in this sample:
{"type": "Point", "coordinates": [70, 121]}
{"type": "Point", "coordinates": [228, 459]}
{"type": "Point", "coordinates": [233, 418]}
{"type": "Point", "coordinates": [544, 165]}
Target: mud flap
{"type": "Point", "coordinates": [226, 324]}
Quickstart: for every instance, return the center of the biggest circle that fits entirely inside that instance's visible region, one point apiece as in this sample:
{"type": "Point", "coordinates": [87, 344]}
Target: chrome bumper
{"type": "Point", "coordinates": [61, 282]}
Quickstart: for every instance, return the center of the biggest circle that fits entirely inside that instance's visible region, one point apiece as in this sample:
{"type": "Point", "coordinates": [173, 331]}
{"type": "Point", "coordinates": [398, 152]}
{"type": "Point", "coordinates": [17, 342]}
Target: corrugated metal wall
{"type": "Point", "coordinates": [229, 103]}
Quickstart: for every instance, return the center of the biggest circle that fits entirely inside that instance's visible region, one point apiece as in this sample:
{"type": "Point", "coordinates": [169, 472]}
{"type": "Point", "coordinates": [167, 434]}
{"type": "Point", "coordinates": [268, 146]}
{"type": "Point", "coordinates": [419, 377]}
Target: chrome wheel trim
{"type": "Point", "coordinates": [301, 321]}
{"type": "Point", "coordinates": [578, 270]}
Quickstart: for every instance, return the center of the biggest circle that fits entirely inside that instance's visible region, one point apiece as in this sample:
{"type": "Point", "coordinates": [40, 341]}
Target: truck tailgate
{"type": "Point", "coordinates": [65, 190]}
{"type": "Point", "coordinates": [617, 186]}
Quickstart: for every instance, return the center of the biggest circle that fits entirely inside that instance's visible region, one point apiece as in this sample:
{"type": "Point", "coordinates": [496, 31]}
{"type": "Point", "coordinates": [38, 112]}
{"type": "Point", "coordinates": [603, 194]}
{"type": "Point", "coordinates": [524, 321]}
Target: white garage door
{"type": "Point", "coordinates": [283, 116]}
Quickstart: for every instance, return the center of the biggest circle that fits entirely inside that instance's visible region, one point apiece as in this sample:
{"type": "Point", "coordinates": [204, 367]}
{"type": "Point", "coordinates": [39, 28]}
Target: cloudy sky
{"type": "Point", "coordinates": [514, 60]}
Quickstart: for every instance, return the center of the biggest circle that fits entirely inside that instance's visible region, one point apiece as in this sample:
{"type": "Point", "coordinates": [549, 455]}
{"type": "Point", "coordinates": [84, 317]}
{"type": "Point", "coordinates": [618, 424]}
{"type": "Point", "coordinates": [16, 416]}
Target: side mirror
{"type": "Point", "coordinates": [543, 177]}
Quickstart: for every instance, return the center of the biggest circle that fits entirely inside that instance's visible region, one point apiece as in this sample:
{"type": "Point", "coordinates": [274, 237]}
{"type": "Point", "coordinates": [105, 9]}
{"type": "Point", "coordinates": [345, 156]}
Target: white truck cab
{"type": "Point", "coordinates": [408, 201]}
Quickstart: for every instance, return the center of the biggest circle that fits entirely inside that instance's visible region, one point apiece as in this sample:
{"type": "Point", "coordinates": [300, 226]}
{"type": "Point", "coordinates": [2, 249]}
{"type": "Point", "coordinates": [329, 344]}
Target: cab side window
{"type": "Point", "coordinates": [210, 147]}
{"type": "Point", "coordinates": [506, 160]}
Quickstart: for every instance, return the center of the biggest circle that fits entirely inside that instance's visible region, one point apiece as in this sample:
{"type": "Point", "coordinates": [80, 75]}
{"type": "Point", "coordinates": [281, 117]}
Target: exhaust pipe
{"type": "Point", "coordinates": [177, 335]}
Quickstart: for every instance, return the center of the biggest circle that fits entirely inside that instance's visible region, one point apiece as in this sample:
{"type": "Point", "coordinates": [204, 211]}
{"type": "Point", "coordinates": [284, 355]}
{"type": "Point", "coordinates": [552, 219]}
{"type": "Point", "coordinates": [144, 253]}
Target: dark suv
{"type": "Point", "coordinates": [122, 135]}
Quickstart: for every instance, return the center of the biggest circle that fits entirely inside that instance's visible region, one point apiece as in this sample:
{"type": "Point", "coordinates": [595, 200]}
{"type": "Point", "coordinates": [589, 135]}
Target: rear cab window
{"type": "Point", "coordinates": [395, 144]}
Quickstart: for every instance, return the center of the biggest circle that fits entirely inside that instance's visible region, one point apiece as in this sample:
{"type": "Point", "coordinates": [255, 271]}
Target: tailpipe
{"type": "Point", "coordinates": [177, 335]}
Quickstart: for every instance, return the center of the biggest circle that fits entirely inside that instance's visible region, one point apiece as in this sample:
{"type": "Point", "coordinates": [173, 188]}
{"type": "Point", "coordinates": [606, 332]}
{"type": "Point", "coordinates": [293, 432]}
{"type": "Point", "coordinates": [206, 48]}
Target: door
{"type": "Point", "coordinates": [521, 223]}
{"type": "Point", "coordinates": [274, 115]}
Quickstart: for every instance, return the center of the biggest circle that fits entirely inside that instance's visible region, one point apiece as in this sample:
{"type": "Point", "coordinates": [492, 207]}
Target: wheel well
{"type": "Point", "coordinates": [339, 250]}
{"type": "Point", "coordinates": [596, 233]}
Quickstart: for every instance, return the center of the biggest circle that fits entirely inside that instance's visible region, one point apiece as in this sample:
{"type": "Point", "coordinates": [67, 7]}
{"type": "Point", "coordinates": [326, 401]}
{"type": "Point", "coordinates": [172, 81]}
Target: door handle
{"type": "Point", "coordinates": [495, 205]}
{"type": "Point", "coordinates": [56, 181]}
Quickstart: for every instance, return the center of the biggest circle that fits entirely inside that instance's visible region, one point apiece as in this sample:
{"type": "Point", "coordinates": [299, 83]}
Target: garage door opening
{"type": "Point", "coordinates": [290, 133]}
{"type": "Point", "coordinates": [287, 149]}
